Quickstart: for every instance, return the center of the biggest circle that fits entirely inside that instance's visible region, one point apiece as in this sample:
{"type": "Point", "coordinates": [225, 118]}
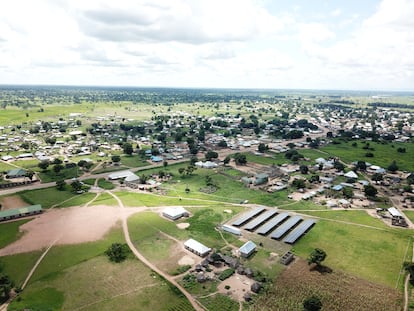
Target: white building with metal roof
{"type": "Point", "coordinates": [196, 247]}
{"type": "Point", "coordinates": [175, 213]}
{"type": "Point", "coordinates": [247, 249]}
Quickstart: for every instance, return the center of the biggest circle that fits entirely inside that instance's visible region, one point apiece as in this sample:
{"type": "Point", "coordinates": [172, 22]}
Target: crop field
{"type": "Point", "coordinates": [373, 253]}
{"type": "Point", "coordinates": [384, 154]}
{"type": "Point", "coordinates": [219, 302]}
{"type": "Point", "coordinates": [338, 291]}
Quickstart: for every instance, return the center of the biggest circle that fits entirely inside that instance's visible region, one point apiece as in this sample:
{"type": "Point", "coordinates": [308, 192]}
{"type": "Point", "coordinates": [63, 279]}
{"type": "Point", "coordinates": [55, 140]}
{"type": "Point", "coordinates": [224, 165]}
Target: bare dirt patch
{"type": "Point", "coordinates": [338, 291]}
{"type": "Point", "coordinates": [183, 225]}
{"type": "Point", "coordinates": [239, 285]}
{"type": "Point", "coordinates": [186, 260]}
{"type": "Point", "coordinates": [13, 201]}
{"type": "Point", "coordinates": [68, 226]}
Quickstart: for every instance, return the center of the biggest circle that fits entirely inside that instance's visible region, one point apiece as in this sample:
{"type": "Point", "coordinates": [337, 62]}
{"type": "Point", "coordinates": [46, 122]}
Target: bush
{"type": "Point", "coordinates": [226, 274]}
{"type": "Point", "coordinates": [118, 252]}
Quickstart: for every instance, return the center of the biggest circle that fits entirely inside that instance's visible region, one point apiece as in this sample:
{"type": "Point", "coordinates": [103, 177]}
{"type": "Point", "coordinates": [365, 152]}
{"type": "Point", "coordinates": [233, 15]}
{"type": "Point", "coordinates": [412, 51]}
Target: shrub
{"type": "Point", "coordinates": [118, 252]}
{"type": "Point", "coordinates": [226, 274]}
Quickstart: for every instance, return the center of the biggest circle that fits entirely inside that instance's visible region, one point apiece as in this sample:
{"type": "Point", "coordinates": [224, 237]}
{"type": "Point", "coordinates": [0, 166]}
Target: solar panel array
{"type": "Point", "coordinates": [268, 226]}
{"type": "Point", "coordinates": [299, 231]}
{"type": "Point", "coordinates": [285, 227]}
{"type": "Point", "coordinates": [263, 221]}
{"type": "Point", "coordinates": [240, 221]}
{"type": "Point", "coordinates": [260, 219]}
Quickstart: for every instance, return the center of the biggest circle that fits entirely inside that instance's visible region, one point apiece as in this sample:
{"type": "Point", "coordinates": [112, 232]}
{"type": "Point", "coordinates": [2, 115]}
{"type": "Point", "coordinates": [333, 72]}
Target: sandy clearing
{"type": "Point", "coordinates": [239, 285]}
{"type": "Point", "coordinates": [72, 225]}
{"type": "Point", "coordinates": [183, 225]}
{"type": "Point", "coordinates": [12, 202]}
{"type": "Point", "coordinates": [186, 260]}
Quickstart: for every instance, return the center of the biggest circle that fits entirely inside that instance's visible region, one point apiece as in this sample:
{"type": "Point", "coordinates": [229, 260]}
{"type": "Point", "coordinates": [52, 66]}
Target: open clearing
{"type": "Point", "coordinates": [12, 202]}
{"type": "Point", "coordinates": [337, 290]}
{"type": "Point", "coordinates": [68, 226]}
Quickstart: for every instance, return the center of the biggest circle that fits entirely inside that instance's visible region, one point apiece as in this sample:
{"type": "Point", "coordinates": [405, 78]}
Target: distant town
{"type": "Point", "coordinates": [222, 199]}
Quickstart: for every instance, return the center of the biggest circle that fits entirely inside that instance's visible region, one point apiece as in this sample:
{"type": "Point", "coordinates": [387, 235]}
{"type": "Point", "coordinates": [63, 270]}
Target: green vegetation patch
{"type": "Point", "coordinates": [384, 154]}
{"type": "Point", "coordinates": [78, 200]}
{"type": "Point", "coordinates": [47, 197]}
{"type": "Point", "coordinates": [9, 232]}
{"type": "Point", "coordinates": [105, 199]}
{"type": "Point", "coordinates": [133, 161]}
{"type": "Point", "coordinates": [46, 299]}
{"type": "Point", "coordinates": [105, 184]}
{"type": "Point", "coordinates": [18, 266]}
{"type": "Point", "coordinates": [373, 254]}
{"type": "Point", "coordinates": [219, 302]}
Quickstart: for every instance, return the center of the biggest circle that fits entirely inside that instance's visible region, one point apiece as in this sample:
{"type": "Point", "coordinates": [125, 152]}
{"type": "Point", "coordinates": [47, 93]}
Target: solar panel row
{"type": "Point", "coordinates": [260, 219]}
{"type": "Point", "coordinates": [285, 227]}
{"type": "Point", "coordinates": [267, 227]}
{"type": "Point", "coordinates": [299, 231]}
{"type": "Point", "coordinates": [244, 218]}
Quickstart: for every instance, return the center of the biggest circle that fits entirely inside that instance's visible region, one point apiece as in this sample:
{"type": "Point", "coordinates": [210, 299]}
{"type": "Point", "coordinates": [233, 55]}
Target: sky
{"type": "Point", "coordinates": [276, 44]}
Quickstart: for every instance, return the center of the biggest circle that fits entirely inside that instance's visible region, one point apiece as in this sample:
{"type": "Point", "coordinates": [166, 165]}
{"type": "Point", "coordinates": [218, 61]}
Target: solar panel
{"type": "Point", "coordinates": [265, 229]}
{"type": "Point", "coordinates": [285, 227]}
{"type": "Point", "coordinates": [260, 219]}
{"type": "Point", "coordinates": [299, 231]}
{"type": "Point", "coordinates": [244, 218]}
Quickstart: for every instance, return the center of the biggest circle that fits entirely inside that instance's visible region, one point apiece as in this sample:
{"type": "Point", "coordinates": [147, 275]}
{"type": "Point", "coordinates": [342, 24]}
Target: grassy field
{"type": "Point", "coordinates": [66, 173]}
{"type": "Point", "coordinates": [47, 197]}
{"type": "Point", "coordinates": [384, 154]}
{"type": "Point", "coordinates": [77, 200]}
{"type": "Point", "coordinates": [9, 232]}
{"type": "Point", "coordinates": [133, 161]}
{"type": "Point", "coordinates": [105, 184]}
{"type": "Point", "coordinates": [80, 276]}
{"type": "Point", "coordinates": [18, 266]}
{"type": "Point", "coordinates": [4, 167]}
{"type": "Point", "coordinates": [105, 199]}
{"type": "Point", "coordinates": [375, 254]}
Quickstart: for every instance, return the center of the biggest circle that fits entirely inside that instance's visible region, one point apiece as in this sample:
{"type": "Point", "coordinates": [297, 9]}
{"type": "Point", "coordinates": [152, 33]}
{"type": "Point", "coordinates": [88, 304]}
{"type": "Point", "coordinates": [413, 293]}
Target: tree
{"type": "Point", "coordinates": [393, 167]}
{"type": "Point", "coordinates": [370, 191]}
{"type": "Point", "coordinates": [222, 144]}
{"type": "Point", "coordinates": [211, 155]}
{"type": "Point", "coordinates": [165, 163]}
{"type": "Point", "coordinates": [348, 192]}
{"type": "Point", "coordinates": [317, 256]}
{"type": "Point", "coordinates": [299, 183]}
{"type": "Point", "coordinates": [57, 168]}
{"type": "Point", "coordinates": [262, 148]}
{"type": "Point", "coordinates": [377, 177]}
{"type": "Point", "coordinates": [29, 174]}
{"type": "Point", "coordinates": [181, 171]}
{"type": "Point", "coordinates": [361, 165]}
{"type": "Point", "coordinates": [304, 169]}
{"type": "Point", "coordinates": [240, 159]}
{"type": "Point", "coordinates": [127, 147]}
{"type": "Point", "coordinates": [57, 161]}
{"type": "Point", "coordinates": [5, 287]}
{"type": "Point", "coordinates": [226, 160]}
{"type": "Point", "coordinates": [76, 185]}
{"type": "Point", "coordinates": [118, 252]}
{"type": "Point", "coordinates": [116, 158]}
{"type": "Point", "coordinates": [312, 303]}
{"type": "Point", "coordinates": [339, 166]}
{"type": "Point", "coordinates": [60, 185]}
{"type": "Point", "coordinates": [43, 165]}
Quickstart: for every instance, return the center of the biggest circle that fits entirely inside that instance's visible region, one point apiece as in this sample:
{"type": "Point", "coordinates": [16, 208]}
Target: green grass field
{"type": "Point", "coordinates": [105, 184]}
{"type": "Point", "coordinates": [9, 232]}
{"type": "Point", "coordinates": [133, 161]}
{"type": "Point", "coordinates": [384, 154]}
{"type": "Point", "coordinates": [374, 254]}
{"type": "Point", "coordinates": [18, 266]}
{"type": "Point", "coordinates": [105, 199]}
{"type": "Point", "coordinates": [47, 197]}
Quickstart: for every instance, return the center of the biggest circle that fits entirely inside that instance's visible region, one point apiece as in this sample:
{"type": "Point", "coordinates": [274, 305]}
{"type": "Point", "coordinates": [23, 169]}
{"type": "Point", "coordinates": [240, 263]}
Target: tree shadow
{"type": "Point", "coordinates": [321, 269]}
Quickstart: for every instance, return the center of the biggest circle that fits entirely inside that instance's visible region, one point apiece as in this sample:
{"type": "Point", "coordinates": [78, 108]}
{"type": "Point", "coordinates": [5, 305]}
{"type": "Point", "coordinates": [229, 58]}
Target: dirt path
{"type": "Point", "coordinates": [137, 254]}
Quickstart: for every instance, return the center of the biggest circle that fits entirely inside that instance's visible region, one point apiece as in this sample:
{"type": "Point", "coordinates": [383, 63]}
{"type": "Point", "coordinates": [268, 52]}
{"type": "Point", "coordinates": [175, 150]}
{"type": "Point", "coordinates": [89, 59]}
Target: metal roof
{"type": "Point", "coordinates": [299, 231]}
{"type": "Point", "coordinates": [260, 219]}
{"type": "Point", "coordinates": [197, 246]}
{"type": "Point", "coordinates": [244, 218]}
{"type": "Point", "coordinates": [247, 247]}
{"type": "Point", "coordinates": [231, 229]}
{"type": "Point", "coordinates": [394, 212]}
{"type": "Point", "coordinates": [285, 227]}
{"type": "Point", "coordinates": [265, 229]}
{"type": "Point", "coordinates": [120, 174]}
{"type": "Point", "coordinates": [23, 210]}
{"type": "Point", "coordinates": [174, 212]}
